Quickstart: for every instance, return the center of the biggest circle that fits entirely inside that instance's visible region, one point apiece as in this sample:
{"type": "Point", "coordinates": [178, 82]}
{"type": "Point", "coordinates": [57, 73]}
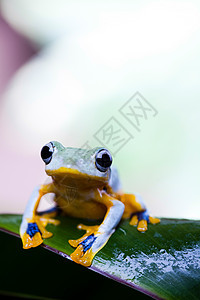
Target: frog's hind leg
{"type": "Point", "coordinates": [137, 211]}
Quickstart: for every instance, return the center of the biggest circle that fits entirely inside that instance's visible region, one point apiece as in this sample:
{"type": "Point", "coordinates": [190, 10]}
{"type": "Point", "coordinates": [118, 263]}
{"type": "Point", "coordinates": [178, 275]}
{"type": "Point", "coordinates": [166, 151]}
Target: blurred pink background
{"type": "Point", "coordinates": [15, 50]}
{"type": "Point", "coordinates": [67, 69]}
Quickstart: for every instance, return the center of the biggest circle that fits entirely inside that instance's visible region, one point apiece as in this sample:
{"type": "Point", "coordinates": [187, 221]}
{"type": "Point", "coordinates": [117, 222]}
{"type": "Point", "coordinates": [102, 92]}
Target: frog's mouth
{"type": "Point", "coordinates": [76, 178]}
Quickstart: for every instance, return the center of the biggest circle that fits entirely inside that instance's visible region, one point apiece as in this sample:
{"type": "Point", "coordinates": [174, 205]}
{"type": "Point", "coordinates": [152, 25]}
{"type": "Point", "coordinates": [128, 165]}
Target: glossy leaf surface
{"type": "Point", "coordinates": [164, 262]}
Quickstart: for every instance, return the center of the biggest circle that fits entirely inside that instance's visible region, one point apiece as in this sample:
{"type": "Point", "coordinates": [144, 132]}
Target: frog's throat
{"type": "Point", "coordinates": [74, 173]}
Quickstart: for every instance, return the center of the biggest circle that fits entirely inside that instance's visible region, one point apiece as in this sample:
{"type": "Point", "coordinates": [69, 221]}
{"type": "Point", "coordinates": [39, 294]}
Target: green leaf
{"type": "Point", "coordinates": [164, 262]}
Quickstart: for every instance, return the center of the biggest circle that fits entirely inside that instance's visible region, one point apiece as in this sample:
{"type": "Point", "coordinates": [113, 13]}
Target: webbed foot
{"type": "Point", "coordinates": [33, 231]}
{"type": "Point", "coordinates": [85, 246]}
{"type": "Point", "coordinates": [141, 220]}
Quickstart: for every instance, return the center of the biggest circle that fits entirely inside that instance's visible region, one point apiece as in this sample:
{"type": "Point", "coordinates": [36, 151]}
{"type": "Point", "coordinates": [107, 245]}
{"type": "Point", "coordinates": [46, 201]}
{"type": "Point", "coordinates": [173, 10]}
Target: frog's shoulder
{"type": "Point", "coordinates": [114, 180]}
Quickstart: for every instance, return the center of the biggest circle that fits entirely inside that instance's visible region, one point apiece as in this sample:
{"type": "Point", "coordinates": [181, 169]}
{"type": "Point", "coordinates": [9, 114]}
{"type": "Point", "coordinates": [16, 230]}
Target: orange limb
{"type": "Point", "coordinates": [135, 206]}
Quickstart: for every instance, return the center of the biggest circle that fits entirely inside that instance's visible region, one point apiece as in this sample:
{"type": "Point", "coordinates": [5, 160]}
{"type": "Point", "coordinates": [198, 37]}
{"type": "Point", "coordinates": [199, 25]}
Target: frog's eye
{"type": "Point", "coordinates": [103, 160]}
{"type": "Point", "coordinates": [47, 152]}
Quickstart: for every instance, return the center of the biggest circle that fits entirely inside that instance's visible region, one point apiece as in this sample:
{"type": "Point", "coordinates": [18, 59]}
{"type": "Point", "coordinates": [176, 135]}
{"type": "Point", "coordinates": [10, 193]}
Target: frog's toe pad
{"type": "Point", "coordinates": [153, 220]}
{"type": "Point", "coordinates": [83, 254]}
{"type": "Point", "coordinates": [141, 220]}
{"type": "Point", "coordinates": [29, 242]}
{"type": "Point", "coordinates": [81, 257]}
{"type": "Point", "coordinates": [134, 221]}
{"type": "Point", "coordinates": [142, 226]}
{"type": "Point", "coordinates": [32, 236]}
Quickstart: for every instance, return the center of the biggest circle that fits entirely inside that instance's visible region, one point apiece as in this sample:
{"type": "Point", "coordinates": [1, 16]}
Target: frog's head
{"type": "Point", "coordinates": [78, 166]}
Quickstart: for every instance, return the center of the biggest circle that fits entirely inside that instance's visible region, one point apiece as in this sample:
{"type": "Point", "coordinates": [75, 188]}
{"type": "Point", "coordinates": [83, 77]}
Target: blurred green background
{"type": "Point", "coordinates": [67, 67]}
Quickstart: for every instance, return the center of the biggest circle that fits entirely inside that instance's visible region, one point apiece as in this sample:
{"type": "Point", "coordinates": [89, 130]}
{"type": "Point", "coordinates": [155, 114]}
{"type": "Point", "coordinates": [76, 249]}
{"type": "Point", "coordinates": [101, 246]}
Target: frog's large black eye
{"type": "Point", "coordinates": [103, 160]}
{"type": "Point", "coordinates": [47, 152]}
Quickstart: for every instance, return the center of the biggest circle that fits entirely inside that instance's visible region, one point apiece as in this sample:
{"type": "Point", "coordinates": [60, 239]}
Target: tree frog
{"type": "Point", "coordinates": [97, 195]}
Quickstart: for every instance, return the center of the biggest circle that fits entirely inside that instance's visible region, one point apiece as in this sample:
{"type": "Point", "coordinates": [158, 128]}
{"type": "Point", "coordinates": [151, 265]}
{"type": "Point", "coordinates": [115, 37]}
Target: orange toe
{"type": "Point", "coordinates": [142, 226]}
{"type": "Point", "coordinates": [29, 242]}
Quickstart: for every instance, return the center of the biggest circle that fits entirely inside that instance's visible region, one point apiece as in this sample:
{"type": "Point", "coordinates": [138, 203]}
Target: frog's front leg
{"type": "Point", "coordinates": [97, 236]}
{"type": "Point", "coordinates": [32, 228]}
{"type": "Point", "coordinates": [137, 211]}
